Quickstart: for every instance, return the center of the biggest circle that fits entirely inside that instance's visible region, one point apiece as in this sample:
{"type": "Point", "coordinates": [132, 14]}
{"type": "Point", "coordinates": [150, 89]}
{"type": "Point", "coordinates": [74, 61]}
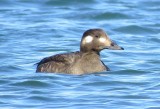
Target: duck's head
{"type": "Point", "coordinates": [97, 40]}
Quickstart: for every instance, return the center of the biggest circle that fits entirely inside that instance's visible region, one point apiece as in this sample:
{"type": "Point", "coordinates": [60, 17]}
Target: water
{"type": "Point", "coordinates": [33, 29]}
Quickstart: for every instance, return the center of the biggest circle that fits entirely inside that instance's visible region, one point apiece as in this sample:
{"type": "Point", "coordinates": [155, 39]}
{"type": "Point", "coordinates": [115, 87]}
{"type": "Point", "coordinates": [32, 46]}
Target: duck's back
{"type": "Point", "coordinates": [72, 63]}
{"type": "Point", "coordinates": [59, 63]}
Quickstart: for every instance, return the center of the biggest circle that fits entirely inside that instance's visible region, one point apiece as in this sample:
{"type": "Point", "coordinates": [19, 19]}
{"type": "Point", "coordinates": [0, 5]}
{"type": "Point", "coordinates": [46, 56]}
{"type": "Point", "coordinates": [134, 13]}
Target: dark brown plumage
{"type": "Point", "coordinates": [87, 60]}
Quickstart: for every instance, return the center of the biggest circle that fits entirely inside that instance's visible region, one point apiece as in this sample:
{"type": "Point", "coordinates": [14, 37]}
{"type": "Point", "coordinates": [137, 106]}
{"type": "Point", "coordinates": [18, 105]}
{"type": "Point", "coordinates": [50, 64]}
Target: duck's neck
{"type": "Point", "coordinates": [91, 55]}
{"type": "Point", "coordinates": [90, 51]}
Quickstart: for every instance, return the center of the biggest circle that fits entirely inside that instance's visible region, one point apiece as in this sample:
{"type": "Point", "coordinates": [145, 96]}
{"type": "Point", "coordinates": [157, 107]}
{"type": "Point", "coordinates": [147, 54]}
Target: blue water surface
{"type": "Point", "coordinates": [33, 29]}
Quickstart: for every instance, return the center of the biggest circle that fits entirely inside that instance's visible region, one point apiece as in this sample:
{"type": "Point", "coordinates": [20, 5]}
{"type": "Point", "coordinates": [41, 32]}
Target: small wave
{"type": "Point", "coordinates": [5, 2]}
{"type": "Point", "coordinates": [129, 72]}
{"type": "Point", "coordinates": [153, 107]}
{"type": "Point", "coordinates": [67, 2]}
{"type": "Point", "coordinates": [39, 97]}
{"type": "Point", "coordinates": [4, 82]}
{"type": "Point", "coordinates": [111, 15]}
{"type": "Point", "coordinates": [10, 68]}
{"type": "Point", "coordinates": [31, 83]}
{"type": "Point", "coordinates": [134, 29]}
{"type": "Point", "coordinates": [154, 39]}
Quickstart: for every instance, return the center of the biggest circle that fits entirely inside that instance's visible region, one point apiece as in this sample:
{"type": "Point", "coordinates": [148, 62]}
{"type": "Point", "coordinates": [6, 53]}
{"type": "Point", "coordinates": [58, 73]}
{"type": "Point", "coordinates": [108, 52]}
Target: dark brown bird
{"type": "Point", "coordinates": [87, 60]}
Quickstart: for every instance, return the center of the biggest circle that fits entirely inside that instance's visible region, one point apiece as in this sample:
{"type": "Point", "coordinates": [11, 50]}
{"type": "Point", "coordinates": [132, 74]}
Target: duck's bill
{"type": "Point", "coordinates": [114, 46]}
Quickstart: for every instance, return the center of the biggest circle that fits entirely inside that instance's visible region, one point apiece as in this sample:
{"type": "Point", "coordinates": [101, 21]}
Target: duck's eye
{"type": "Point", "coordinates": [97, 36]}
{"type": "Point", "coordinates": [112, 44]}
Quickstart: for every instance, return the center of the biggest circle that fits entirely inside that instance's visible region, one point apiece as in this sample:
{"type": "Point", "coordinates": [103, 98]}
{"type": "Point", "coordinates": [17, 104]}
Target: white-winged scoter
{"type": "Point", "coordinates": [87, 60]}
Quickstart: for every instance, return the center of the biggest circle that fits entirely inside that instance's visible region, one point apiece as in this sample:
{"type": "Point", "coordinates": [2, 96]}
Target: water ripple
{"type": "Point", "coordinates": [134, 29]}
{"type": "Point", "coordinates": [34, 29]}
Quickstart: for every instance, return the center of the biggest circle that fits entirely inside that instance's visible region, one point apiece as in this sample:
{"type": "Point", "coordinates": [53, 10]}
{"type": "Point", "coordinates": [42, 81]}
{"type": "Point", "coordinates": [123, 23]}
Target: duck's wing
{"type": "Point", "coordinates": [56, 63]}
{"type": "Point", "coordinates": [56, 58]}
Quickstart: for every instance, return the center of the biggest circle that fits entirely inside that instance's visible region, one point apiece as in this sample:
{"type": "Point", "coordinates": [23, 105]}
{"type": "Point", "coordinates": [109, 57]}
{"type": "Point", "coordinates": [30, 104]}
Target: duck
{"type": "Point", "coordinates": [86, 60]}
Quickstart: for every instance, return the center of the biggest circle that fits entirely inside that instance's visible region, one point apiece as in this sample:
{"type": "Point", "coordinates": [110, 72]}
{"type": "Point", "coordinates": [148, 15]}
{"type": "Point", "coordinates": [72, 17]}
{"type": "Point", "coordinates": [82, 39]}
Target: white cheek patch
{"type": "Point", "coordinates": [88, 39]}
{"type": "Point", "coordinates": [103, 40]}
